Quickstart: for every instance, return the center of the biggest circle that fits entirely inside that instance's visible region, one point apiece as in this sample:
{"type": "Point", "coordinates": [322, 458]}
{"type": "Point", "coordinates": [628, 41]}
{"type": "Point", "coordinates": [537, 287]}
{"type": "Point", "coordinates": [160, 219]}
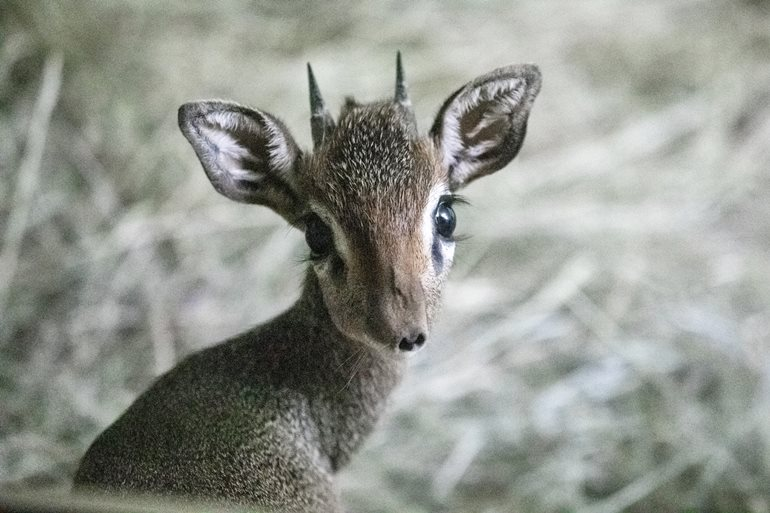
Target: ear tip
{"type": "Point", "coordinates": [533, 75]}
{"type": "Point", "coordinates": [188, 111]}
{"type": "Point", "coordinates": [184, 111]}
{"type": "Point", "coordinates": [529, 72]}
{"type": "Point", "coordinates": [185, 115]}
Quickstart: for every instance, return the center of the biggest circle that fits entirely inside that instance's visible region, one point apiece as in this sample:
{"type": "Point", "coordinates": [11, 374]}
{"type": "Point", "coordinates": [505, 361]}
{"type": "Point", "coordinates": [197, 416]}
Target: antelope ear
{"type": "Point", "coordinates": [248, 155]}
{"type": "Point", "coordinates": [480, 128]}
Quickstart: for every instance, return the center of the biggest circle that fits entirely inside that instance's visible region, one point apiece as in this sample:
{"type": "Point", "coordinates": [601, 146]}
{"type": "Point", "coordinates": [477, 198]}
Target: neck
{"type": "Point", "coordinates": [310, 311]}
{"type": "Point", "coordinates": [353, 380]}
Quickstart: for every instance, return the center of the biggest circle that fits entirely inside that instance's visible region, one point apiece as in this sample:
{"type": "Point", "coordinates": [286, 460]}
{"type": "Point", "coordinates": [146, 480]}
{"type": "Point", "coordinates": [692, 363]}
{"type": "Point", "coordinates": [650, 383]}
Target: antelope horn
{"type": "Point", "coordinates": [321, 122]}
{"type": "Point", "coordinates": [402, 96]}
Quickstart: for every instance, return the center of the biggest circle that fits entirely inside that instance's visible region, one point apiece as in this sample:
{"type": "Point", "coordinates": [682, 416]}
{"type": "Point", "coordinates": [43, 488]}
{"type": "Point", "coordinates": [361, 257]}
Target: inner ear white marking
{"type": "Point", "coordinates": [225, 120]}
{"type": "Point", "coordinates": [505, 96]}
{"type": "Point", "coordinates": [223, 141]}
{"type": "Point", "coordinates": [281, 155]}
{"type": "Point", "coordinates": [233, 156]}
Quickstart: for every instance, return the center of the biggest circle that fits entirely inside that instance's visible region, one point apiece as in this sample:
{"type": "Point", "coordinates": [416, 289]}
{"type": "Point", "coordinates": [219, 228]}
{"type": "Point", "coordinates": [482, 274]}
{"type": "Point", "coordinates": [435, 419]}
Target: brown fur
{"type": "Point", "coordinates": [268, 417]}
{"type": "Point", "coordinates": [373, 176]}
{"type": "Point", "coordinates": [265, 418]}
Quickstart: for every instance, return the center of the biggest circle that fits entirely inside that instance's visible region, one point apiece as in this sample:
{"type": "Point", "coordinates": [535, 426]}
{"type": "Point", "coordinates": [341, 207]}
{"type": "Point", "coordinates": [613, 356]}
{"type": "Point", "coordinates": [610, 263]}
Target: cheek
{"type": "Point", "coordinates": [442, 254]}
{"type": "Point", "coordinates": [432, 286]}
{"type": "Point", "coordinates": [343, 304]}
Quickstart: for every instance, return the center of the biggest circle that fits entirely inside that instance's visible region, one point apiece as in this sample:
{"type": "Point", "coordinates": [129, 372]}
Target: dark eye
{"type": "Point", "coordinates": [445, 220]}
{"type": "Point", "coordinates": [318, 236]}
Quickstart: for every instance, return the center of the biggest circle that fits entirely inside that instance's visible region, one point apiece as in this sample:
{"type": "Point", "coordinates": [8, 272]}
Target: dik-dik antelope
{"type": "Point", "coordinates": [268, 417]}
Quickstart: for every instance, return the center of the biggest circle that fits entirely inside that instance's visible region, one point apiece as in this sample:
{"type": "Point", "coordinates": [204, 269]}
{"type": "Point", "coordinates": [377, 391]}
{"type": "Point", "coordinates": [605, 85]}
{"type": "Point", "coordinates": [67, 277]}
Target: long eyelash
{"type": "Point", "coordinates": [454, 199]}
{"type": "Point", "coordinates": [309, 258]}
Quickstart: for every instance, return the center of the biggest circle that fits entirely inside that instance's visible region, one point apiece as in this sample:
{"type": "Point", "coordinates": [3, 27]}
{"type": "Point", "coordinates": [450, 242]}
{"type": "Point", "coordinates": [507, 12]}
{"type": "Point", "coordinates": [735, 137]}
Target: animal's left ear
{"type": "Point", "coordinates": [481, 127]}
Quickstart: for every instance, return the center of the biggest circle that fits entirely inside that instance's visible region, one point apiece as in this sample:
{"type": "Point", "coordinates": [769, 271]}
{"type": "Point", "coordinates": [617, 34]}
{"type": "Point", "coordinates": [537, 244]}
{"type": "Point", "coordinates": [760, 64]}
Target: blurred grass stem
{"type": "Point", "coordinates": [28, 177]}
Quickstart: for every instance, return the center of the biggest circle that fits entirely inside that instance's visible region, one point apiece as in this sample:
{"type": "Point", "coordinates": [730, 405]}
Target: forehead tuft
{"type": "Point", "coordinates": [373, 169]}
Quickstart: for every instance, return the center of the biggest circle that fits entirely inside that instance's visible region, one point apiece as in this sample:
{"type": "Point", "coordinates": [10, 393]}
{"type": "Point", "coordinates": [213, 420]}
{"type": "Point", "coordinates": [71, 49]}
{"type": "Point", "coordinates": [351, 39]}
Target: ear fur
{"type": "Point", "coordinates": [481, 127]}
{"type": "Point", "coordinates": [248, 155]}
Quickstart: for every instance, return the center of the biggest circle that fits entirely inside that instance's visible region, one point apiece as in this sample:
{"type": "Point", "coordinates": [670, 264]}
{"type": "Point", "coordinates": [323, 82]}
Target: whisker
{"type": "Point", "coordinates": [356, 368]}
{"type": "Point", "coordinates": [347, 359]}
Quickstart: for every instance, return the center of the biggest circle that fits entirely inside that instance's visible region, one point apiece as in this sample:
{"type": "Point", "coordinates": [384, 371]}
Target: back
{"type": "Point", "coordinates": [221, 423]}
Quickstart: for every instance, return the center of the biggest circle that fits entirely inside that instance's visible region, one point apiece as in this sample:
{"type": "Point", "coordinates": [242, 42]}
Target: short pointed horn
{"type": "Point", "coordinates": [402, 95]}
{"type": "Point", "coordinates": [321, 122]}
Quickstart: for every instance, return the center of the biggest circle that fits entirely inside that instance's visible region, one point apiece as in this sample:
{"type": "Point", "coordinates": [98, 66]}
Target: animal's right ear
{"type": "Point", "coordinates": [248, 155]}
{"type": "Point", "coordinates": [481, 127]}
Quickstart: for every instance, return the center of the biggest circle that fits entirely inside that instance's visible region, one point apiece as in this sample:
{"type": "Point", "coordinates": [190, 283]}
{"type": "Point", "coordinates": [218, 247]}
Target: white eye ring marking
{"type": "Point", "coordinates": [429, 226]}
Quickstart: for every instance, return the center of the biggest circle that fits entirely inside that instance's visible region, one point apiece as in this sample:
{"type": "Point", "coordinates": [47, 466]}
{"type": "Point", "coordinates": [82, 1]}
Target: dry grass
{"type": "Point", "coordinates": [605, 344]}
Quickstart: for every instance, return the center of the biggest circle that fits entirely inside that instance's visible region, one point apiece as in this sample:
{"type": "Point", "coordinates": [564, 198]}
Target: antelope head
{"type": "Point", "coordinates": [374, 197]}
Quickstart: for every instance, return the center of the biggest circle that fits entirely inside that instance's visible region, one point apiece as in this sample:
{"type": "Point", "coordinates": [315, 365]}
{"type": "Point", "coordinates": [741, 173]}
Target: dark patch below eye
{"type": "Point", "coordinates": [338, 266]}
{"type": "Point", "coordinates": [438, 257]}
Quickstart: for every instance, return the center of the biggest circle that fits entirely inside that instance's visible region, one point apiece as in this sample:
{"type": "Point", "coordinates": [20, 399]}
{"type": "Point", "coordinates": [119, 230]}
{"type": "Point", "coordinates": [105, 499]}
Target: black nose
{"type": "Point", "coordinates": [411, 343]}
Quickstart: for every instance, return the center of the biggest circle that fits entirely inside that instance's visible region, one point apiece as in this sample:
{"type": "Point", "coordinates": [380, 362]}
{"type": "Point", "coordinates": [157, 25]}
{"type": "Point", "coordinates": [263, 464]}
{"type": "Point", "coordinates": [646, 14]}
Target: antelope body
{"type": "Point", "coordinates": [268, 417]}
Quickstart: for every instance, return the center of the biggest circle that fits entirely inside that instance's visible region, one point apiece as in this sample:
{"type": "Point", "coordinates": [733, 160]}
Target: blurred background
{"type": "Point", "coordinates": [605, 341]}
